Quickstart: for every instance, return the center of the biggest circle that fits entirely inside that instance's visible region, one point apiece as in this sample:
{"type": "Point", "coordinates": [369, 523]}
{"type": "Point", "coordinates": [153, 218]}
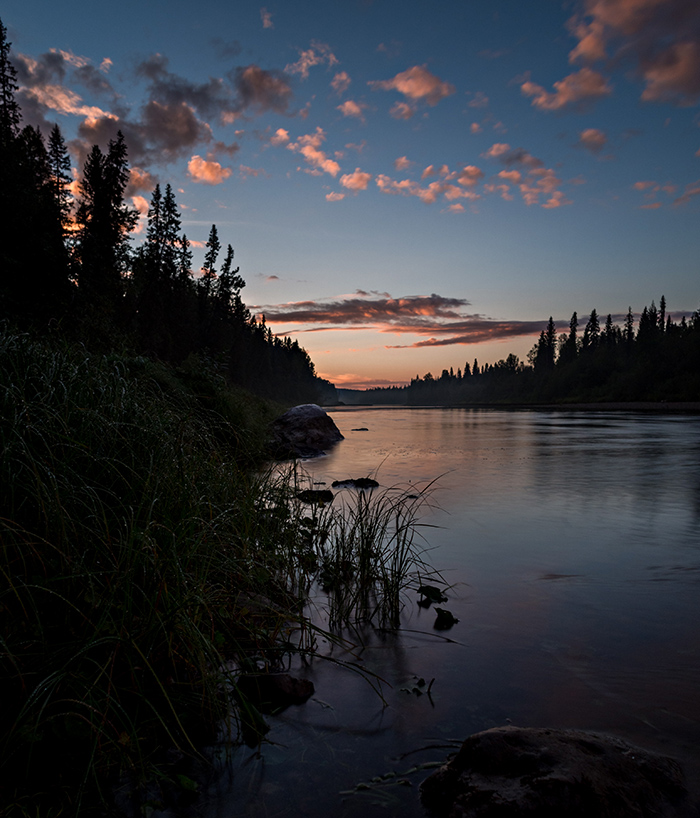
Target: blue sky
{"type": "Point", "coordinates": [407, 185]}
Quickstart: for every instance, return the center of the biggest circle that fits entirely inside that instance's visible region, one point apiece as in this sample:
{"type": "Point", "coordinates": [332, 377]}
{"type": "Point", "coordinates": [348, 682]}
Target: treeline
{"type": "Point", "coordinates": [659, 360]}
{"type": "Point", "coordinates": [67, 265]}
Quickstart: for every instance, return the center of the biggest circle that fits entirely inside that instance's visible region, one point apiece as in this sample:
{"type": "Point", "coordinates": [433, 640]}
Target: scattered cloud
{"type": "Point", "coordinates": [659, 38]}
{"type": "Point", "coordinates": [475, 127]}
{"type": "Point", "coordinates": [417, 84]}
{"type": "Point", "coordinates": [266, 18]}
{"type": "Point", "coordinates": [356, 181]}
{"type": "Point", "coordinates": [207, 173]}
{"type": "Point", "coordinates": [441, 318]}
{"type": "Point", "coordinates": [575, 89]}
{"type": "Point", "coordinates": [334, 197]}
{"type": "Point", "coordinates": [690, 192]}
{"type": "Point", "coordinates": [401, 110]}
{"type": "Point", "coordinates": [140, 181]}
{"type": "Point", "coordinates": [317, 54]}
{"type": "Point", "coordinates": [593, 140]}
{"type": "Point", "coordinates": [341, 82]}
{"type": "Point", "coordinates": [479, 100]}
{"type": "Point", "coordinates": [353, 109]}
{"type": "Point", "coordinates": [366, 309]}
{"type": "Point", "coordinates": [404, 163]}
{"type": "Point", "coordinates": [280, 137]}
{"type": "Point", "coordinates": [309, 146]}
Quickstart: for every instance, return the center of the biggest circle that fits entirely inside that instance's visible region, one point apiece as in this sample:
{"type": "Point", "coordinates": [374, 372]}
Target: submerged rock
{"type": "Point", "coordinates": [272, 692]}
{"type": "Point", "coordinates": [304, 431]}
{"type": "Point", "coordinates": [355, 483]}
{"type": "Point", "coordinates": [316, 496]}
{"type": "Point", "coordinates": [540, 773]}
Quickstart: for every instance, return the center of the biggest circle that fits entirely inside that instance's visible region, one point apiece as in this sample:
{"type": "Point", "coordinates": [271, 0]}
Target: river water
{"type": "Point", "coordinates": [571, 542]}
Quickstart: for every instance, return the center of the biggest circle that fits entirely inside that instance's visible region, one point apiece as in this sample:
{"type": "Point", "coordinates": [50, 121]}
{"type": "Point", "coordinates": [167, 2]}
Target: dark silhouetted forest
{"type": "Point", "coordinates": [67, 265]}
{"type": "Point", "coordinates": [658, 361]}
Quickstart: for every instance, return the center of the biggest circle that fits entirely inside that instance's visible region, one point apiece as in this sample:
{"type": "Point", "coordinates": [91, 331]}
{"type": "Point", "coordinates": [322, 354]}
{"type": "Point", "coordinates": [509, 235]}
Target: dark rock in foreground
{"type": "Point", "coordinates": [540, 773]}
{"type": "Point", "coordinates": [272, 692]}
{"type": "Point", "coordinates": [355, 483]}
{"type": "Point", "coordinates": [304, 431]}
{"type": "Point", "coordinates": [316, 496]}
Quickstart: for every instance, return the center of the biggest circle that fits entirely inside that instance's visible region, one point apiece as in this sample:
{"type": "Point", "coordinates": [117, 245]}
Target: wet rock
{"type": "Point", "coordinates": [540, 773]}
{"type": "Point", "coordinates": [355, 483]}
{"type": "Point", "coordinates": [430, 593]}
{"type": "Point", "coordinates": [272, 692]}
{"type": "Point", "coordinates": [304, 431]}
{"type": "Point", "coordinates": [316, 496]}
{"type": "Point", "coordinates": [444, 619]}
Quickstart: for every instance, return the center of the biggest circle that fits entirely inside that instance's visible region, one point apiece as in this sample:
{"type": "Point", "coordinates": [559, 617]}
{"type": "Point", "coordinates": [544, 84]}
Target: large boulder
{"type": "Point", "coordinates": [528, 772]}
{"type": "Point", "coordinates": [304, 431]}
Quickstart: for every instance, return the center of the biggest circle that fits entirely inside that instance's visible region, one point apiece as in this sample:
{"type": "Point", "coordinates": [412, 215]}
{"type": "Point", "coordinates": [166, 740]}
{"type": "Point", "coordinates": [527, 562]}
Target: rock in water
{"type": "Point", "coordinates": [272, 692]}
{"type": "Point", "coordinates": [540, 773]}
{"type": "Point", "coordinates": [304, 431]}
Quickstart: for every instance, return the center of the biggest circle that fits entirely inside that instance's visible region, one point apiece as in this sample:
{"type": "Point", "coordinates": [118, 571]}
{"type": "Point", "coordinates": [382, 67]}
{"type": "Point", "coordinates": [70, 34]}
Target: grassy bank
{"type": "Point", "coordinates": [143, 549]}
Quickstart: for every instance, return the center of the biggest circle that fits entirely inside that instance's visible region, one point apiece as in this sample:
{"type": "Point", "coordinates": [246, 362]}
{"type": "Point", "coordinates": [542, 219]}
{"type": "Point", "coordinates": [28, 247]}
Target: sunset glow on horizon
{"type": "Point", "coordinates": [407, 187]}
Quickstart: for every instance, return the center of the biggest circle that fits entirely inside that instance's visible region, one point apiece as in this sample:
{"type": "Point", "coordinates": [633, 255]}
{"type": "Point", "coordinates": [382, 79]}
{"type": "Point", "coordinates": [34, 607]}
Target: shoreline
{"type": "Point", "coordinates": [657, 407]}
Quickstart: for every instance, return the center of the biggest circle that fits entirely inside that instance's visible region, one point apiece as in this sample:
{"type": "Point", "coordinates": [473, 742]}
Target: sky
{"type": "Point", "coordinates": [407, 185]}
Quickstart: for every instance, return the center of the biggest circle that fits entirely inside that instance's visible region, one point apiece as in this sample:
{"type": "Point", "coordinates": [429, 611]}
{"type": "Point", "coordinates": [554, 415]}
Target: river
{"type": "Point", "coordinates": [571, 542]}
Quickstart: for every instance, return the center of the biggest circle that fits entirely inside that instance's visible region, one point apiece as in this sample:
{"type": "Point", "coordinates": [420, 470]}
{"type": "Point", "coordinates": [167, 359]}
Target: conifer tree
{"type": "Point", "coordinates": [60, 175]}
{"type": "Point", "coordinates": [10, 116]}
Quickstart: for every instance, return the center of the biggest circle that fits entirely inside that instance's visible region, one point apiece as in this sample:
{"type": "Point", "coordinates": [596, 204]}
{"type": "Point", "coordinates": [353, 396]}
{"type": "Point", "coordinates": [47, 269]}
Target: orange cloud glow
{"type": "Point", "coordinates": [583, 86]}
{"type": "Point", "coordinates": [418, 84]}
{"type": "Point", "coordinates": [356, 181]}
{"type": "Point", "coordinates": [309, 147]}
{"type": "Point", "coordinates": [207, 173]}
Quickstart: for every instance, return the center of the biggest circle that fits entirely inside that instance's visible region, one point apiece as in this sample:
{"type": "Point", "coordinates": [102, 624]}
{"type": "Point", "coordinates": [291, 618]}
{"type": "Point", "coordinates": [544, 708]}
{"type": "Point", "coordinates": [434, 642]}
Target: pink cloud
{"type": "Point", "coordinates": [281, 137]}
{"type": "Point", "coordinates": [309, 147]}
{"type": "Point", "coordinates": [480, 100]}
{"type": "Point", "coordinates": [266, 18]}
{"type": "Point", "coordinates": [334, 197]}
{"type": "Point", "coordinates": [350, 108]}
{"type": "Point", "coordinates": [403, 163]}
{"type": "Point", "coordinates": [498, 149]}
{"type": "Point", "coordinates": [341, 82]}
{"type": "Point", "coordinates": [575, 89]}
{"type": "Point", "coordinates": [207, 173]}
{"type": "Point", "coordinates": [513, 176]}
{"type": "Point", "coordinates": [475, 127]}
{"type": "Point", "coordinates": [318, 54]}
{"type": "Point", "coordinates": [593, 140]}
{"type": "Point", "coordinates": [691, 191]}
{"type": "Point", "coordinates": [418, 84]}
{"type": "Point", "coordinates": [356, 181]}
{"type": "Point", "coordinates": [660, 37]}
{"type": "Point", "coordinates": [470, 176]}
{"type": "Point", "coordinates": [400, 110]}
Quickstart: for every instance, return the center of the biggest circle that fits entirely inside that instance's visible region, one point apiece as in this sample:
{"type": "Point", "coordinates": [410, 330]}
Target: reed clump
{"type": "Point", "coordinates": [146, 556]}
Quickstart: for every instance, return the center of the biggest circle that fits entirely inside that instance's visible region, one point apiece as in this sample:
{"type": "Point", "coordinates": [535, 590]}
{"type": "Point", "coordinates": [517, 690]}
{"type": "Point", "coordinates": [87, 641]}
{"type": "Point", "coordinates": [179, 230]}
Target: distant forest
{"type": "Point", "coordinates": [659, 361]}
{"type": "Point", "coordinates": [67, 266]}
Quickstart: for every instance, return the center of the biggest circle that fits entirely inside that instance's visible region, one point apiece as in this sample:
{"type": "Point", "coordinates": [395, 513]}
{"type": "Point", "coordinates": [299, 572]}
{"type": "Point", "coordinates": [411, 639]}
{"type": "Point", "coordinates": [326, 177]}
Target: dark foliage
{"type": "Point", "coordinates": [69, 266]}
{"type": "Point", "coordinates": [658, 363]}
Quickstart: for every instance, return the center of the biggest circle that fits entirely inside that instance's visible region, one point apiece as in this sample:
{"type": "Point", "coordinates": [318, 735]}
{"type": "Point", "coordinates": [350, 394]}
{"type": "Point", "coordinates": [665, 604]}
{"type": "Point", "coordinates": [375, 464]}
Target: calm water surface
{"type": "Point", "coordinates": [572, 541]}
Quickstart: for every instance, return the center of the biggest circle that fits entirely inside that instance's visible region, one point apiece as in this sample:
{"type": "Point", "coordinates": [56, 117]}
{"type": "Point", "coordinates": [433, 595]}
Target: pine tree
{"type": "Point", "coordinates": [60, 175]}
{"type": "Point", "coordinates": [104, 222]}
{"type": "Point", "coordinates": [10, 116]}
{"type": "Point", "coordinates": [591, 333]}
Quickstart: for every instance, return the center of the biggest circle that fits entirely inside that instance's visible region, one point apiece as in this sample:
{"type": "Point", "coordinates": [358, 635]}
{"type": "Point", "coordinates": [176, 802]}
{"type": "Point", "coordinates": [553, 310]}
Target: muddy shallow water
{"type": "Point", "coordinates": [571, 541]}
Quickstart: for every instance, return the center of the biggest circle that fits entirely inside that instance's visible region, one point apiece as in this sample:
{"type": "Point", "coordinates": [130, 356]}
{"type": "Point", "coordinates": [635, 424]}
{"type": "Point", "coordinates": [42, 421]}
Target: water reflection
{"type": "Point", "coordinates": [572, 541]}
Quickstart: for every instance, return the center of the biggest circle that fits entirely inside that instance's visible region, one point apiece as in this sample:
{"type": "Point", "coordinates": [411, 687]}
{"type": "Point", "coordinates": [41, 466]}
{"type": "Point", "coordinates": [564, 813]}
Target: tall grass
{"type": "Point", "coordinates": [144, 549]}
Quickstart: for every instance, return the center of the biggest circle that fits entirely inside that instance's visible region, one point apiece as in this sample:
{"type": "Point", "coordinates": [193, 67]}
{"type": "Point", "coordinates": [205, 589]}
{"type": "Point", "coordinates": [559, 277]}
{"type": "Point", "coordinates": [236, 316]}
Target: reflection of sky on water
{"type": "Point", "coordinates": [573, 542]}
